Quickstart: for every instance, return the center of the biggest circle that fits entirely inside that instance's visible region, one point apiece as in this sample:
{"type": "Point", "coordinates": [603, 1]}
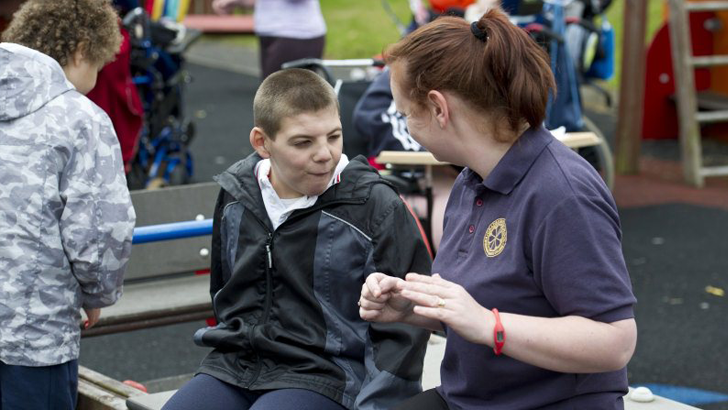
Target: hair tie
{"type": "Point", "coordinates": [477, 32]}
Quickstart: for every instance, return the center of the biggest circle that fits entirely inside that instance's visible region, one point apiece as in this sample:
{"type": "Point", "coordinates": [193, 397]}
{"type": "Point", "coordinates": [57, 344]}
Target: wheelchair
{"type": "Point", "coordinates": [163, 157]}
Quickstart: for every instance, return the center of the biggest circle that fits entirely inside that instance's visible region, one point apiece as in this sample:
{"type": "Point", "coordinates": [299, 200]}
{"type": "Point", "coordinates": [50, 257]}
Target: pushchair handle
{"type": "Point", "coordinates": [323, 67]}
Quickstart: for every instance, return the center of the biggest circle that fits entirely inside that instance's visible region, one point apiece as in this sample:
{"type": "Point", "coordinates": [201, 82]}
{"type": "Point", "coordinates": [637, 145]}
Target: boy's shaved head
{"type": "Point", "coordinates": [287, 93]}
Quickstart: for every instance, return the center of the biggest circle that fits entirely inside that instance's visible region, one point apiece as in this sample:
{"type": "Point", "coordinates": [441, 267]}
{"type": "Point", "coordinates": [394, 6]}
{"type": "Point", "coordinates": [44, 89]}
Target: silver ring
{"type": "Point", "coordinates": [440, 302]}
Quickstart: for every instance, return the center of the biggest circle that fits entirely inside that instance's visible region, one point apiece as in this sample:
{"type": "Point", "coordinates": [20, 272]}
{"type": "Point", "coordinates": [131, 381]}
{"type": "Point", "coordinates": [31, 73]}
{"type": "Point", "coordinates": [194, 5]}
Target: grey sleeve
{"type": "Point", "coordinates": [98, 218]}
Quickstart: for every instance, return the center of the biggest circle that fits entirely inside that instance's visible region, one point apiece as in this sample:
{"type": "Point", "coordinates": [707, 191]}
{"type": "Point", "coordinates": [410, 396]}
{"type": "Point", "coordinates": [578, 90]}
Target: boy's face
{"type": "Point", "coordinates": [304, 153]}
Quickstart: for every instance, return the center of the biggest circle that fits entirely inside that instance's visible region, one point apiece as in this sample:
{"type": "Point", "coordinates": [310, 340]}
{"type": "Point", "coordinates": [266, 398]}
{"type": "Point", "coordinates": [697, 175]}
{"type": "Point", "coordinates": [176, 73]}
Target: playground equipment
{"type": "Point", "coordinates": [686, 92]}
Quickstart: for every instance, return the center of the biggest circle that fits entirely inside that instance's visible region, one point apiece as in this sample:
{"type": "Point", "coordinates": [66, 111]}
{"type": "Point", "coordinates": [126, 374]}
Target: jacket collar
{"type": "Point", "coordinates": [356, 184]}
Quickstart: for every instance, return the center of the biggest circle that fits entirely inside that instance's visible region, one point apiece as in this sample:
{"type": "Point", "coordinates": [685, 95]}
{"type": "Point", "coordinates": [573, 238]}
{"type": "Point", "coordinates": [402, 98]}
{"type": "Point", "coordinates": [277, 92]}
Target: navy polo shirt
{"type": "Point", "coordinates": [540, 237]}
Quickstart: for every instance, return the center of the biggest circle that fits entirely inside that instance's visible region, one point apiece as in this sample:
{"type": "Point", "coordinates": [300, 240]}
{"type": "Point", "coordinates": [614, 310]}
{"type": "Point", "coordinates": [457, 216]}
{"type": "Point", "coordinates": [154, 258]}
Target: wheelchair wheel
{"type": "Point", "coordinates": [601, 155]}
{"type": "Point", "coordinates": [179, 175]}
{"type": "Point", "coordinates": [137, 176]}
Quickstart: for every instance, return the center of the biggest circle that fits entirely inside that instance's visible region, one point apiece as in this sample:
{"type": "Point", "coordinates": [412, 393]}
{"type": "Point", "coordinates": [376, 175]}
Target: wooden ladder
{"type": "Point", "coordinates": [684, 63]}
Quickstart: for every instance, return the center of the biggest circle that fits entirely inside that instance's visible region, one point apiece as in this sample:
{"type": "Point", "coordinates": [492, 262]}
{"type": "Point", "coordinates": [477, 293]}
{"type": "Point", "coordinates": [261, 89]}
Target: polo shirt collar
{"type": "Point", "coordinates": [513, 166]}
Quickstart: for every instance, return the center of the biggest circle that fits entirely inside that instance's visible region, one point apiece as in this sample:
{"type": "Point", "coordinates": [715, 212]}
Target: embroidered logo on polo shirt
{"type": "Point", "coordinates": [495, 238]}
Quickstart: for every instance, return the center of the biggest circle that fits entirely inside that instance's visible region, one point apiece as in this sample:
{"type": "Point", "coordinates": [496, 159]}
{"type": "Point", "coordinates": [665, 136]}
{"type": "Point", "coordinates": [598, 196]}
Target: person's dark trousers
{"type": "Point", "coordinates": [39, 388]}
{"type": "Point", "coordinates": [427, 400]}
{"type": "Point", "coordinates": [274, 51]}
{"type": "Point", "coordinates": [209, 393]}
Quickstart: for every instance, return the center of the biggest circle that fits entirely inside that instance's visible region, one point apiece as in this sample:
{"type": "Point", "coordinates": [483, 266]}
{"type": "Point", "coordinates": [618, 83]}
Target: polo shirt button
{"type": "Point", "coordinates": [479, 202]}
{"type": "Point", "coordinates": [471, 229]}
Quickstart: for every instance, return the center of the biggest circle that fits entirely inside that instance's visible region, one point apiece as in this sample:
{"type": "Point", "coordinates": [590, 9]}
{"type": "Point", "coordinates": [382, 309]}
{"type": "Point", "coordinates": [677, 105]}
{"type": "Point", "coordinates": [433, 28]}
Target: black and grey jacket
{"type": "Point", "coordinates": [286, 300]}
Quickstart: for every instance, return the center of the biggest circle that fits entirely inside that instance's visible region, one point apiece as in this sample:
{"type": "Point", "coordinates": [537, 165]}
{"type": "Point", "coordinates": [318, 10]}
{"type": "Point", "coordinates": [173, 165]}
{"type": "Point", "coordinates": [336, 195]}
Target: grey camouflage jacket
{"type": "Point", "coordinates": [66, 218]}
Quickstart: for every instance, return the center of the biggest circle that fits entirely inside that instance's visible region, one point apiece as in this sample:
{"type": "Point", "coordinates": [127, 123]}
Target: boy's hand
{"type": "Point", "coordinates": [380, 300]}
{"type": "Point", "coordinates": [93, 315]}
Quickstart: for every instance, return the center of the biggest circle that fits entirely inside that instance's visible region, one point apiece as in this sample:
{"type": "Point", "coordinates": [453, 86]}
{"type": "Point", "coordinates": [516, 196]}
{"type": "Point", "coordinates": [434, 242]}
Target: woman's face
{"type": "Point", "coordinates": [421, 124]}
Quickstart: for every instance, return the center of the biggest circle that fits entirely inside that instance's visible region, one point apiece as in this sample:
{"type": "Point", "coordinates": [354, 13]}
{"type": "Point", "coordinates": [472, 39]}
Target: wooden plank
{"type": "Point", "coordinates": [708, 100]}
{"type": "Point", "coordinates": [166, 205]}
{"type": "Point", "coordinates": [572, 140]}
{"type": "Point", "coordinates": [576, 140]}
{"type": "Point", "coordinates": [166, 295]}
{"type": "Point", "coordinates": [151, 402]}
{"type": "Point", "coordinates": [708, 117]}
{"type": "Point", "coordinates": [99, 392]}
{"type": "Point", "coordinates": [408, 158]}
{"type": "Point", "coordinates": [717, 171]}
{"type": "Point", "coordinates": [156, 303]}
{"type": "Point", "coordinates": [631, 90]}
{"type": "Point", "coordinates": [707, 6]}
{"type": "Point", "coordinates": [107, 383]}
{"type": "Point", "coordinates": [690, 144]}
{"type": "Point", "coordinates": [709, 61]}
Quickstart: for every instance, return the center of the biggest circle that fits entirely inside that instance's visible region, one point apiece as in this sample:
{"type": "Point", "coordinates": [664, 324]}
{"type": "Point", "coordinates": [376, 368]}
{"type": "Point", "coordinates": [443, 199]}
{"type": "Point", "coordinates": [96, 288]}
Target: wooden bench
{"type": "Point", "coordinates": [160, 286]}
{"type": "Point", "coordinates": [573, 140]}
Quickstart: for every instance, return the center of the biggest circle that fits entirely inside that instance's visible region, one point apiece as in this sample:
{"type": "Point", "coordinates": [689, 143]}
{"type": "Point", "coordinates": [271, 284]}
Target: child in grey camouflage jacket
{"type": "Point", "coordinates": [66, 217]}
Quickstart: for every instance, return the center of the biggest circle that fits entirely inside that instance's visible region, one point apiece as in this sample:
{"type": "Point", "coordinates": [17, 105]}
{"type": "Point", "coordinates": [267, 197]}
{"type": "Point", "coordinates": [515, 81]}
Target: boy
{"type": "Point", "coordinates": [66, 217]}
{"type": "Point", "coordinates": [297, 228]}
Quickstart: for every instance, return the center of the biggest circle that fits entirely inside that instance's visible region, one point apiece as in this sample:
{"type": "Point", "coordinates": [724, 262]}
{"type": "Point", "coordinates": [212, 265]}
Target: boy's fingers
{"type": "Point", "coordinates": [368, 294]}
{"type": "Point", "coordinates": [370, 305]}
{"type": "Point", "coordinates": [389, 283]}
{"type": "Point", "coordinates": [372, 284]}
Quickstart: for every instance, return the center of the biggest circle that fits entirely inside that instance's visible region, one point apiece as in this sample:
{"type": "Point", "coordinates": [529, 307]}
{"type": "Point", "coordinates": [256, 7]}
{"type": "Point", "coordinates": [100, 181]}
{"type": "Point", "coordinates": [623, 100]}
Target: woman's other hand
{"type": "Point", "coordinates": [438, 299]}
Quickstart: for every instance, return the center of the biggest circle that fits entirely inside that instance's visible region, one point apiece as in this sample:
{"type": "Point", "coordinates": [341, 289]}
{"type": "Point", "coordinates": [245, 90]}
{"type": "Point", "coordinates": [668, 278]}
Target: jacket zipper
{"type": "Point", "coordinates": [268, 301]}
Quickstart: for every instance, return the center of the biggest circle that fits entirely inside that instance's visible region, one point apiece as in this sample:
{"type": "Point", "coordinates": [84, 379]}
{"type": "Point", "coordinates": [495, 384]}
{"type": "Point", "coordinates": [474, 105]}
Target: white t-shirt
{"type": "Point", "coordinates": [279, 209]}
{"type": "Point", "coordinates": [299, 19]}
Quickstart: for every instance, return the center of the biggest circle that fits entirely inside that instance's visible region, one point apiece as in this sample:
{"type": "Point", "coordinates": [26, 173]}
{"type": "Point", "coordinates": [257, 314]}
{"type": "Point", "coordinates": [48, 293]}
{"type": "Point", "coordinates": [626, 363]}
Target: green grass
{"type": "Point", "coordinates": [359, 29]}
{"type": "Point", "coordinates": [362, 29]}
{"type": "Point", "coordinates": [356, 29]}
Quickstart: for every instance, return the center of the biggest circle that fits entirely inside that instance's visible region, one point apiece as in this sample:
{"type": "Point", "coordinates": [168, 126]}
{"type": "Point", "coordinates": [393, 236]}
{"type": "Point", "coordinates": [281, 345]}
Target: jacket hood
{"type": "Point", "coordinates": [29, 79]}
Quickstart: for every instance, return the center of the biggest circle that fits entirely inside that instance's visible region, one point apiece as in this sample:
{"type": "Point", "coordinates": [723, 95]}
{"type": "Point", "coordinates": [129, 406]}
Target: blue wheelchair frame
{"type": "Point", "coordinates": [163, 157]}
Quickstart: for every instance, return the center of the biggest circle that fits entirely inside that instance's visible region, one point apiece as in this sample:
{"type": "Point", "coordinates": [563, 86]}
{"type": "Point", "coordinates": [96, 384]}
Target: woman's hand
{"type": "Point", "coordinates": [438, 299]}
{"type": "Point", "coordinates": [380, 300]}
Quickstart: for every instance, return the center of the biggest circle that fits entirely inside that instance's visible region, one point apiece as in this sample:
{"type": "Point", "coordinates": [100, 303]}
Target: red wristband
{"type": "Point", "coordinates": [499, 334]}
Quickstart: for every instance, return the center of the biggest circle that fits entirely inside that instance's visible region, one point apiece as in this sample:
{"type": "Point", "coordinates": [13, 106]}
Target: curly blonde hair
{"type": "Point", "coordinates": [59, 28]}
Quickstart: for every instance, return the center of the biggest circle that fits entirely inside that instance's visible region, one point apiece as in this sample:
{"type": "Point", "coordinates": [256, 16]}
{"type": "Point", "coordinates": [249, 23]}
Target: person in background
{"type": "Point", "coordinates": [7, 8]}
{"type": "Point", "coordinates": [67, 217]}
{"type": "Point", "coordinates": [287, 30]}
{"type": "Point", "coordinates": [116, 93]}
{"type": "Point", "coordinates": [376, 118]}
{"type": "Point", "coordinates": [530, 283]}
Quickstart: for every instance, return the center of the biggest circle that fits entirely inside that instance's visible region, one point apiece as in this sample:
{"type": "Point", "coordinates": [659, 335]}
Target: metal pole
{"type": "Point", "coordinates": [176, 230]}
